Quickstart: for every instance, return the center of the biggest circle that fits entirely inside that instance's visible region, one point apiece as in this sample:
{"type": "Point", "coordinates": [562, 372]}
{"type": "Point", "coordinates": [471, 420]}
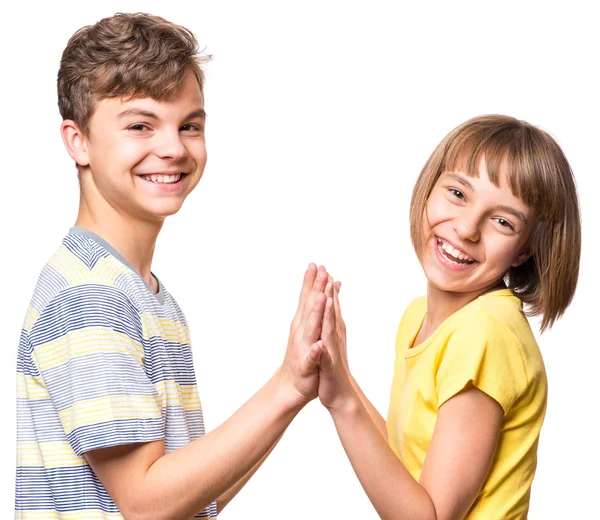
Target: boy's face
{"type": "Point", "coordinates": [475, 231]}
{"type": "Point", "coordinates": [145, 156]}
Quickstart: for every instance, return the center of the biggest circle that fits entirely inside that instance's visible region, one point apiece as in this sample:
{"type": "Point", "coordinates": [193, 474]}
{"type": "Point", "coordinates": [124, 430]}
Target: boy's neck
{"type": "Point", "coordinates": [135, 240]}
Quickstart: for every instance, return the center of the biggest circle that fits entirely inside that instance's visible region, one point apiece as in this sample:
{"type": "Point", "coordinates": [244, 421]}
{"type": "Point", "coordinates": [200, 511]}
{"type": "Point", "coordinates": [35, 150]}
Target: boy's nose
{"type": "Point", "coordinates": [171, 147]}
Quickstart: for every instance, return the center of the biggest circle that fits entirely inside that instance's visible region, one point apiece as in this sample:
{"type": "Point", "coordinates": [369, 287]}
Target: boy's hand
{"type": "Point", "coordinates": [335, 384]}
{"type": "Point", "coordinates": [301, 363]}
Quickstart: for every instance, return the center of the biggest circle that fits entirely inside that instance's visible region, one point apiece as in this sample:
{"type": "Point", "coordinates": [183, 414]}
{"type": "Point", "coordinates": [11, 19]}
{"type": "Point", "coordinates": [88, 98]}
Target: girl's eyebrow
{"type": "Point", "coordinates": [508, 209]}
{"type": "Point", "coordinates": [459, 178]}
{"type": "Point", "coordinates": [514, 212]}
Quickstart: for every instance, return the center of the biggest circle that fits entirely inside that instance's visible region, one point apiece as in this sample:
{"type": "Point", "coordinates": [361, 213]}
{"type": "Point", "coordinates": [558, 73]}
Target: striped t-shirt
{"type": "Point", "coordinates": [102, 362]}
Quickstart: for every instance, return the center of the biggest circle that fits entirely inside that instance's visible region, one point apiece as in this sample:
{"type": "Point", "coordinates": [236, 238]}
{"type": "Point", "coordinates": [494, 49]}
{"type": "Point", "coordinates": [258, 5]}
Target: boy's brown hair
{"type": "Point", "coordinates": [539, 174]}
{"type": "Point", "coordinates": [128, 54]}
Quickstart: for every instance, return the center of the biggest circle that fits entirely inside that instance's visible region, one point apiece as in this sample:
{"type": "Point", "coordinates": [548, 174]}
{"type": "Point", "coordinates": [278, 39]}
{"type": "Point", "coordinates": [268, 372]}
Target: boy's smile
{"type": "Point", "coordinates": [144, 156]}
{"type": "Point", "coordinates": [474, 232]}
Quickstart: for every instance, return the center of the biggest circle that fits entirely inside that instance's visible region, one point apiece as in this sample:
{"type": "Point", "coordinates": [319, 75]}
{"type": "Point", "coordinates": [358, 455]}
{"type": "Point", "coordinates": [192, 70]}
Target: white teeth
{"type": "Point", "coordinates": [456, 253]}
{"type": "Point", "coordinates": [163, 179]}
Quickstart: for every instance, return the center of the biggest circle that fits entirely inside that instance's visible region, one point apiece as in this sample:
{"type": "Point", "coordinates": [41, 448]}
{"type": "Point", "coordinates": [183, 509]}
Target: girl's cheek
{"type": "Point", "coordinates": [435, 211]}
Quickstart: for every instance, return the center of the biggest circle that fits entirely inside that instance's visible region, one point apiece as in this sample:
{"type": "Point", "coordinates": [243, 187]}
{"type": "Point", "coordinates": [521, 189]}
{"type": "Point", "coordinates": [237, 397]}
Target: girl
{"type": "Point", "coordinates": [495, 224]}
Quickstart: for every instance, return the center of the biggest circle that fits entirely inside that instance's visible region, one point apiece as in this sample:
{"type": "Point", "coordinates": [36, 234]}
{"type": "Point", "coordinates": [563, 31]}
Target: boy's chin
{"type": "Point", "coordinates": [161, 212]}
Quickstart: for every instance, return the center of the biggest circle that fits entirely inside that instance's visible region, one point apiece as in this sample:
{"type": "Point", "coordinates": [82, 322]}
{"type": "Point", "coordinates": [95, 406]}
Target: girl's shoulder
{"type": "Point", "coordinates": [496, 313]}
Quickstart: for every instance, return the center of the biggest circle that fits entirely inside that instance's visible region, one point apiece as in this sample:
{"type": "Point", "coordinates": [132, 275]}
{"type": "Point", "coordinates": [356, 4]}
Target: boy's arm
{"type": "Point", "coordinates": [226, 497]}
{"type": "Point", "coordinates": [145, 482]}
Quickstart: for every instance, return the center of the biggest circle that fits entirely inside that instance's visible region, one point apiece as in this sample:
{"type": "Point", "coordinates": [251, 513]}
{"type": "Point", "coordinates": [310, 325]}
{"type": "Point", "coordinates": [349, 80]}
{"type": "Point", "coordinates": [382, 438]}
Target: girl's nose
{"type": "Point", "coordinates": [467, 227]}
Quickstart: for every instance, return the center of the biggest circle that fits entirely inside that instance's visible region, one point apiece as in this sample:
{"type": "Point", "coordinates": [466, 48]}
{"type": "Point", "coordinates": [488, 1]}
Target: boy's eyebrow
{"type": "Point", "coordinates": [137, 112]}
{"type": "Point", "coordinates": [461, 180]}
{"type": "Point", "coordinates": [145, 113]}
{"type": "Point", "coordinates": [197, 113]}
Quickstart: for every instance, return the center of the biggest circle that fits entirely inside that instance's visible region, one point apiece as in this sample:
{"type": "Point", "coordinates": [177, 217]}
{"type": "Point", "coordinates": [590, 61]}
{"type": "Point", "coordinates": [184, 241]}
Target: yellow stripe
{"type": "Point", "coordinates": [108, 269]}
{"type": "Point", "coordinates": [110, 408]}
{"type": "Point", "coordinates": [67, 264]}
{"type": "Point", "coordinates": [88, 514]}
{"type": "Point", "coordinates": [174, 395]}
{"type": "Point", "coordinates": [30, 318]}
{"type": "Point", "coordinates": [48, 454]}
{"type": "Point", "coordinates": [165, 328]}
{"type": "Point", "coordinates": [32, 388]}
{"type": "Point", "coordinates": [85, 341]}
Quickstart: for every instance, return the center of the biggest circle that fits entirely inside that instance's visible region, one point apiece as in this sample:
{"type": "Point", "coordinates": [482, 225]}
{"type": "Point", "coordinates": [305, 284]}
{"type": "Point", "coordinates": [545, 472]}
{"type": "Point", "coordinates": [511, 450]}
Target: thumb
{"type": "Point", "coordinates": [326, 363]}
{"type": "Point", "coordinates": [312, 358]}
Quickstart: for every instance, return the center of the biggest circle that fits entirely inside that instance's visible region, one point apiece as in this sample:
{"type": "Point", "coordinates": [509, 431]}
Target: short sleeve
{"type": "Point", "coordinates": [482, 351]}
{"type": "Point", "coordinates": [88, 347]}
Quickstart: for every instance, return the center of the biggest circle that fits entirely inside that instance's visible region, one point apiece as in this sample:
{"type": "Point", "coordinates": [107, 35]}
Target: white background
{"type": "Point", "coordinates": [320, 117]}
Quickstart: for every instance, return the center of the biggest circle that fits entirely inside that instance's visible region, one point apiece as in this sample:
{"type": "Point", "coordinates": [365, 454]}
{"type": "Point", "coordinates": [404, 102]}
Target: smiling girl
{"type": "Point", "coordinates": [495, 224]}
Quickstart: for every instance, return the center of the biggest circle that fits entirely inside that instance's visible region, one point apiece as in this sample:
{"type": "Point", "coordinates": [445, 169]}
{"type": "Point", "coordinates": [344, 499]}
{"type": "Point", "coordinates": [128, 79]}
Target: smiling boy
{"type": "Point", "coordinates": [109, 419]}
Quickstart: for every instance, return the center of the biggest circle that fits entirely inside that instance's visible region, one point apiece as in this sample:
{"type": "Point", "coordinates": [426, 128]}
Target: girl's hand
{"type": "Point", "coordinates": [335, 386]}
{"type": "Point", "coordinates": [340, 325]}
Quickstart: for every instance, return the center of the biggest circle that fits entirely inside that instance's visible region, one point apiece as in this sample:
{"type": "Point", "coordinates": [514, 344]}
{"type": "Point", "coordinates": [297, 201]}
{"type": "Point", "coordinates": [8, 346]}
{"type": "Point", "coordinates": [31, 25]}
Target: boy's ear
{"type": "Point", "coordinates": [524, 255]}
{"type": "Point", "coordinates": [75, 142]}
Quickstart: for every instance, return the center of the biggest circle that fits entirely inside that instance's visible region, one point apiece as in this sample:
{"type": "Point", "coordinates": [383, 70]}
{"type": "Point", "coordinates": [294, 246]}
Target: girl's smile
{"type": "Point", "coordinates": [452, 257]}
{"type": "Point", "coordinates": [474, 232]}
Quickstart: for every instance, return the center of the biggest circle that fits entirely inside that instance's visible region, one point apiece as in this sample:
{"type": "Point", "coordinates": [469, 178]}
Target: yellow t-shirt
{"type": "Point", "coordinates": [487, 343]}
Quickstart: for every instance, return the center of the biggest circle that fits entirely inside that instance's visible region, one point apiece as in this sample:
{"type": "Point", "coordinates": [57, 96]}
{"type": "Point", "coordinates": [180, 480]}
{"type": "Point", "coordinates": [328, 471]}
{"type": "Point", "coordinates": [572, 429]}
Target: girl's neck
{"type": "Point", "coordinates": [442, 304]}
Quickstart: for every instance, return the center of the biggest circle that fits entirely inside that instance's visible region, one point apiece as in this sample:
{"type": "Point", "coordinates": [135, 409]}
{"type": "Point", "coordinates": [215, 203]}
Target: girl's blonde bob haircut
{"type": "Point", "coordinates": [539, 174]}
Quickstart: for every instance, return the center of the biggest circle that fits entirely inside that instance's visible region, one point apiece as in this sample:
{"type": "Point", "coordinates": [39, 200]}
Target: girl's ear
{"type": "Point", "coordinates": [75, 142]}
{"type": "Point", "coordinates": [524, 255]}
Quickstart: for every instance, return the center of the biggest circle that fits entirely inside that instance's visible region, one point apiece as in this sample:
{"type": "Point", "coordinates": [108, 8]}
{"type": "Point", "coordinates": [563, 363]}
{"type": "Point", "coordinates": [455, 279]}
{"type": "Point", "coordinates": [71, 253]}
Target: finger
{"type": "Point", "coordinates": [312, 330]}
{"type": "Point", "coordinates": [309, 279]}
{"type": "Point", "coordinates": [307, 285]}
{"type": "Point", "coordinates": [312, 359]}
{"type": "Point", "coordinates": [336, 300]}
{"type": "Point", "coordinates": [322, 279]}
{"type": "Point", "coordinates": [329, 288]}
{"type": "Point", "coordinates": [318, 287]}
{"type": "Point", "coordinates": [328, 330]}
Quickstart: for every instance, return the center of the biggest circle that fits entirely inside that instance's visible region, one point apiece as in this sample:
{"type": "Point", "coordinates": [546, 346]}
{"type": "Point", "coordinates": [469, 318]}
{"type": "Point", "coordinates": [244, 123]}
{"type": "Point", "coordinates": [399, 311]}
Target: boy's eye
{"type": "Point", "coordinates": [138, 127]}
{"type": "Point", "coordinates": [191, 127]}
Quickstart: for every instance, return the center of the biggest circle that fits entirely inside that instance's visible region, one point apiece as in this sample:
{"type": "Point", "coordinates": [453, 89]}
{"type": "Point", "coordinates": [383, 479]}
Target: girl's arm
{"type": "Point", "coordinates": [376, 417]}
{"type": "Point", "coordinates": [458, 458]}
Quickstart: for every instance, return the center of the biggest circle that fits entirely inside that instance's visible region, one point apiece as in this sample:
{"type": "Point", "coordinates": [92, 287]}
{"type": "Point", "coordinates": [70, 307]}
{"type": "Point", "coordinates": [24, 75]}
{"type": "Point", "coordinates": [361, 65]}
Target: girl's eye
{"type": "Point", "coordinates": [457, 193]}
{"type": "Point", "coordinates": [505, 223]}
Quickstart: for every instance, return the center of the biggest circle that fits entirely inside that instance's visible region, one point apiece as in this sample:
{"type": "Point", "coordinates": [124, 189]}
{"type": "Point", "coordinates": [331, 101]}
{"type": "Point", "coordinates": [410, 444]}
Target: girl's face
{"type": "Point", "coordinates": [473, 232]}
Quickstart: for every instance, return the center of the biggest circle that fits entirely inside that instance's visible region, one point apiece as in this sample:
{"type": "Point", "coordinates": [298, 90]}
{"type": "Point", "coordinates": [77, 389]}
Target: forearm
{"type": "Point", "coordinates": [374, 414]}
{"type": "Point", "coordinates": [391, 488]}
{"type": "Point", "coordinates": [226, 497]}
{"type": "Point", "coordinates": [183, 482]}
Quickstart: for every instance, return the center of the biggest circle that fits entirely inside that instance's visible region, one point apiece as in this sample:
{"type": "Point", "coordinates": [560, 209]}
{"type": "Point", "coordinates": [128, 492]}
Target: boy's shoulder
{"type": "Point", "coordinates": [80, 269]}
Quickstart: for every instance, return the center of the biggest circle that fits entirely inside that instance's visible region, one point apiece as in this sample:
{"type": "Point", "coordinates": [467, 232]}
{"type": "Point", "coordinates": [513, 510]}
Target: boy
{"type": "Point", "coordinates": [109, 419]}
